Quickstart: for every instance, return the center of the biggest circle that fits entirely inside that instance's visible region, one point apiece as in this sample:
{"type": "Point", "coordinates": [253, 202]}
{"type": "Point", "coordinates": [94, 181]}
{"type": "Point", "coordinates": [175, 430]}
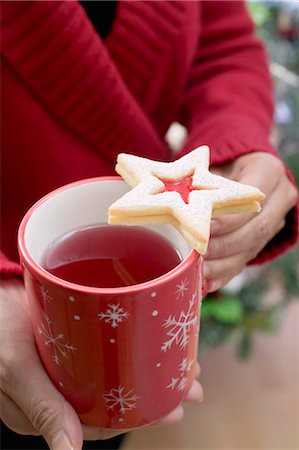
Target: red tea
{"type": "Point", "coordinates": [108, 256]}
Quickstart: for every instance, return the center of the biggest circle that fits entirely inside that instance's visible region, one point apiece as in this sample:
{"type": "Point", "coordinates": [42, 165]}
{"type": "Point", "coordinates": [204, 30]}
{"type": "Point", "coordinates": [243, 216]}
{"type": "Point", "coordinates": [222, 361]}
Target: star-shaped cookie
{"type": "Point", "coordinates": [183, 193]}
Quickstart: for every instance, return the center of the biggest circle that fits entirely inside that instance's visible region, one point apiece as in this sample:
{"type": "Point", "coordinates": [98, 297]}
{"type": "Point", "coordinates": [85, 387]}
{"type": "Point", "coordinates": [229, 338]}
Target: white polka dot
{"type": "Point", "coordinates": [60, 383]}
{"type": "Point", "coordinates": [158, 364]}
{"type": "Point", "coordinates": [112, 341]}
{"type": "Point", "coordinates": [121, 419]}
{"type": "Point", "coordinates": [155, 313]}
{"type": "Point", "coordinates": [71, 298]}
{"type": "Point", "coordinates": [154, 294]}
{"type": "Point", "coordinates": [76, 317]}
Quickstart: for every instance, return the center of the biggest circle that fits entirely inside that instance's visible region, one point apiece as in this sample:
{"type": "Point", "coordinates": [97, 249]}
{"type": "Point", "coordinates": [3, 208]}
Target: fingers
{"type": "Point", "coordinates": [228, 253]}
{"type": "Point", "coordinates": [261, 170]}
{"type": "Point", "coordinates": [13, 416]}
{"type": "Point", "coordinates": [31, 404]}
{"type": "Point", "coordinates": [195, 393]}
{"type": "Point", "coordinates": [258, 231]}
{"type": "Point", "coordinates": [228, 223]}
{"type": "Point", "coordinates": [28, 386]}
{"type": "Point", "coordinates": [173, 417]}
{"type": "Point", "coordinates": [95, 434]}
{"type": "Point", "coordinates": [197, 370]}
{"type": "Point", "coordinates": [217, 271]}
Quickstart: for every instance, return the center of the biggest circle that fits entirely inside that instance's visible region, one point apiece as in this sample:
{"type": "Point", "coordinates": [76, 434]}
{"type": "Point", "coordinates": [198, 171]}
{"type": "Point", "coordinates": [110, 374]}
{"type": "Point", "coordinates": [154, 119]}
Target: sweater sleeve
{"type": "Point", "coordinates": [8, 267]}
{"type": "Point", "coordinates": [228, 100]}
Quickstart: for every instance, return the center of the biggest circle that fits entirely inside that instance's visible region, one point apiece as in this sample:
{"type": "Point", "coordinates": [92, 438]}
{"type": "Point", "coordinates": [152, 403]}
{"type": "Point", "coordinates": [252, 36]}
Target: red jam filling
{"type": "Point", "coordinates": [182, 186]}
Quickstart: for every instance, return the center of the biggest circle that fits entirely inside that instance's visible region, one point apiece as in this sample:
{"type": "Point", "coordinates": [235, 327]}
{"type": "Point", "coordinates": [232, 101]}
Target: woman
{"type": "Point", "coordinates": [82, 84]}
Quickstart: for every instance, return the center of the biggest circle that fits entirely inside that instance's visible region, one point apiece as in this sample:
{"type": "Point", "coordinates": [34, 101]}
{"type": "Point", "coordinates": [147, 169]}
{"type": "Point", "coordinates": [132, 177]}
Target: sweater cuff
{"type": "Point", "coordinates": [227, 142]}
{"type": "Point", "coordinates": [9, 268]}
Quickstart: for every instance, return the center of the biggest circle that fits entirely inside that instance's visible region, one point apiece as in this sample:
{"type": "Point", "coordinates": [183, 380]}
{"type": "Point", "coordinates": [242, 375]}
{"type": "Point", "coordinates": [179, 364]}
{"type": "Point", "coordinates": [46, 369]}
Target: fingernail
{"type": "Point", "coordinates": [214, 286]}
{"type": "Point", "coordinates": [61, 442]}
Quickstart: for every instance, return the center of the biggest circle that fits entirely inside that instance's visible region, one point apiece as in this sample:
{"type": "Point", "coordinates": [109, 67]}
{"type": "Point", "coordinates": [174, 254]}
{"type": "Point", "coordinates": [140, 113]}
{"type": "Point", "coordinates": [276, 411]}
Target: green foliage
{"type": "Point", "coordinates": [288, 267]}
{"type": "Point", "coordinates": [246, 314]}
{"type": "Point", "coordinates": [212, 333]}
{"type": "Point", "coordinates": [228, 310]}
{"type": "Point", "coordinates": [292, 160]}
{"type": "Point", "coordinates": [245, 345]}
{"type": "Point", "coordinates": [265, 320]}
{"type": "Point", "coordinates": [260, 13]}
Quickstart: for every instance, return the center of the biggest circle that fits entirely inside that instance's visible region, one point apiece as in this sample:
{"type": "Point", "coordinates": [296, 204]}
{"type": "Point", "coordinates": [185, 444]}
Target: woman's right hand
{"type": "Point", "coordinates": [30, 403]}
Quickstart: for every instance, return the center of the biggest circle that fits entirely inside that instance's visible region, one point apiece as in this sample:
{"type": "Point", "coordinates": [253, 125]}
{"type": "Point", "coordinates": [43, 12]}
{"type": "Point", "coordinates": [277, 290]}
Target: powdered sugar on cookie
{"type": "Point", "coordinates": [183, 193]}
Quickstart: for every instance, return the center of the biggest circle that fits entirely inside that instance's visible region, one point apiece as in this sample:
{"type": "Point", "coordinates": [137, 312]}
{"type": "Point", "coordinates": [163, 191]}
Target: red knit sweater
{"type": "Point", "coordinates": [71, 103]}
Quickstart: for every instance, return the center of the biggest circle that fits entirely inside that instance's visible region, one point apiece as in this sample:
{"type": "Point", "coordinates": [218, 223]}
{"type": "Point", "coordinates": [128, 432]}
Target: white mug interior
{"type": "Point", "coordinates": [78, 206]}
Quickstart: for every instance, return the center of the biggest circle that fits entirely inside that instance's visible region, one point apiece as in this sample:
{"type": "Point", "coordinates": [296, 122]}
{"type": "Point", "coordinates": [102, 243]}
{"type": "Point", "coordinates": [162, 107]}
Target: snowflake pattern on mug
{"type": "Point", "coordinates": [117, 399]}
{"type": "Point", "coordinates": [181, 288]}
{"type": "Point", "coordinates": [179, 328]}
{"type": "Point", "coordinates": [46, 298]}
{"type": "Point", "coordinates": [60, 349]}
{"type": "Point", "coordinates": [114, 315]}
{"type": "Point", "coordinates": [179, 383]}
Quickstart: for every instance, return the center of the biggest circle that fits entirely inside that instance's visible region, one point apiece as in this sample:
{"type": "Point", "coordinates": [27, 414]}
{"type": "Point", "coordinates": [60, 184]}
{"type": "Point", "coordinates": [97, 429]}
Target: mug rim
{"type": "Point", "coordinates": [191, 257]}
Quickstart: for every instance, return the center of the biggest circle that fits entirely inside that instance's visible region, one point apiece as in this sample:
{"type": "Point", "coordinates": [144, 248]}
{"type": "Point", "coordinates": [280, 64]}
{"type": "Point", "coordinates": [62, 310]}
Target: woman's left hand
{"type": "Point", "coordinates": [237, 239]}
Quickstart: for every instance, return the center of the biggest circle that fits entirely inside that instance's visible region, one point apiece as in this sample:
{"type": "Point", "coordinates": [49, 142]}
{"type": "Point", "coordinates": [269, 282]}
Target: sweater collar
{"type": "Point", "coordinates": [96, 90]}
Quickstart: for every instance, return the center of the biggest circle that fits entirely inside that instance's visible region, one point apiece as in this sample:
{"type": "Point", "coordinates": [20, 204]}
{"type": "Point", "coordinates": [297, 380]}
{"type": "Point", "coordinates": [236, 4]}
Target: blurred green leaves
{"type": "Point", "coordinates": [227, 310]}
{"type": "Point", "coordinates": [240, 317]}
{"type": "Point", "coordinates": [260, 13]}
{"type": "Point", "coordinates": [288, 268]}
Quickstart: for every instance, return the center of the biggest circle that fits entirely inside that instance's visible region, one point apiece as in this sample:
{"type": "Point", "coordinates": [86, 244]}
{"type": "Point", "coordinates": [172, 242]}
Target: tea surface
{"type": "Point", "coordinates": [107, 256]}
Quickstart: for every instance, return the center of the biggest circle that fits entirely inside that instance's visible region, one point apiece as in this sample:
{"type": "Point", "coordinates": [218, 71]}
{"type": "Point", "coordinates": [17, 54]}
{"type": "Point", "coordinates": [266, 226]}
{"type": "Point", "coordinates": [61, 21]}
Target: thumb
{"type": "Point", "coordinates": [30, 402]}
{"type": "Point", "coordinates": [49, 413]}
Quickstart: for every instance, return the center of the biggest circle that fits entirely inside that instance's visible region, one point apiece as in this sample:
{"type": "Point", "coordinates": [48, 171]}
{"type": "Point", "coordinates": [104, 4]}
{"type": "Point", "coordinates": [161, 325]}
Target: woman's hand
{"type": "Point", "coordinates": [237, 239]}
{"type": "Point", "coordinates": [30, 404]}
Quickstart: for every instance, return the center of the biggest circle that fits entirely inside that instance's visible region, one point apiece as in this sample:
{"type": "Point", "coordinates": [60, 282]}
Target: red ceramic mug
{"type": "Point", "coordinates": [134, 367]}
